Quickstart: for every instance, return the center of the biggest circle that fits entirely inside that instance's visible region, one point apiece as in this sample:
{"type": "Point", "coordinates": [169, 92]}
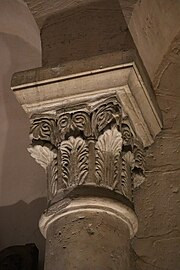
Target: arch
{"type": "Point", "coordinates": [20, 186]}
{"type": "Point", "coordinates": [19, 31]}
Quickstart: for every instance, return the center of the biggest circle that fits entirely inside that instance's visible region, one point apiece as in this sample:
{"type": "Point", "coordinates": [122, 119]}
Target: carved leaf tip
{"type": "Point", "coordinates": [108, 148]}
{"type": "Point", "coordinates": [138, 179]}
{"type": "Point", "coordinates": [74, 161]}
{"type": "Point", "coordinates": [129, 158]}
{"type": "Point", "coordinates": [42, 154]}
{"type": "Point", "coordinates": [111, 140]}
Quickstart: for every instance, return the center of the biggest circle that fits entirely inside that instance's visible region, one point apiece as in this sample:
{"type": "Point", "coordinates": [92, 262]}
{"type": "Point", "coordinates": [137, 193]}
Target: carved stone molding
{"type": "Point", "coordinates": [93, 205]}
{"type": "Point", "coordinates": [133, 91]}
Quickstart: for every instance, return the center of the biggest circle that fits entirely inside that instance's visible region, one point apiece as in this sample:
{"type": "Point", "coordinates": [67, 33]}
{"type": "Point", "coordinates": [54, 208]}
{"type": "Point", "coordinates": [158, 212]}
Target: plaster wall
{"type": "Point", "coordinates": [21, 188]}
{"type": "Point", "coordinates": [16, 54]}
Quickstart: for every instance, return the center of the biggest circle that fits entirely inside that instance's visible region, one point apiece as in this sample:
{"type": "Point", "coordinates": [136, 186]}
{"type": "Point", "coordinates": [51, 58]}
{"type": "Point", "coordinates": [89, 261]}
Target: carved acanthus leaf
{"type": "Point", "coordinates": [138, 179]}
{"type": "Point", "coordinates": [97, 130]}
{"type": "Point", "coordinates": [126, 174]}
{"type": "Point", "coordinates": [53, 178]}
{"type": "Point", "coordinates": [74, 161]}
{"type": "Point", "coordinates": [129, 159]}
{"type": "Point", "coordinates": [138, 176]}
{"type": "Point", "coordinates": [43, 155]}
{"type": "Point", "coordinates": [108, 148]}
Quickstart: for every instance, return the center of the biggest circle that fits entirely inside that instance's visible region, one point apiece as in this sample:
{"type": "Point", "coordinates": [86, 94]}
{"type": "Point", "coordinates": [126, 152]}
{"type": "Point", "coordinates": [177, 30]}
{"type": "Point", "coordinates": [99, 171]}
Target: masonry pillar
{"type": "Point", "coordinates": [89, 131]}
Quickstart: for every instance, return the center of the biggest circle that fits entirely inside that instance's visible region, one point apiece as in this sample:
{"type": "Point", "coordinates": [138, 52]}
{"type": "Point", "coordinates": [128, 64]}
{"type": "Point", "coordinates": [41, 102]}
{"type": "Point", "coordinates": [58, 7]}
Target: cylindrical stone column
{"type": "Point", "coordinates": [88, 233]}
{"type": "Point", "coordinates": [90, 157]}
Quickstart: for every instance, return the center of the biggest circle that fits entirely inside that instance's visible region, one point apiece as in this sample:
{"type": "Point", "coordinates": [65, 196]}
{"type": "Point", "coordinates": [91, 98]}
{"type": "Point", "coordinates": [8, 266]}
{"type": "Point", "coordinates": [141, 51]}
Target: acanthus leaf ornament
{"type": "Point", "coordinates": [74, 161]}
{"type": "Point", "coordinates": [107, 149]}
{"type": "Point", "coordinates": [53, 179]}
{"type": "Point", "coordinates": [139, 165]}
{"type": "Point", "coordinates": [97, 130]}
{"type": "Point", "coordinates": [47, 158]}
{"type": "Point", "coordinates": [42, 154]}
{"type": "Point", "coordinates": [126, 174]}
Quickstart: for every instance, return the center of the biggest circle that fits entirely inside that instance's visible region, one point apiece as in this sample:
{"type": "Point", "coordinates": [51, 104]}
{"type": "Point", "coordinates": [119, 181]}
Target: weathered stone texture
{"type": "Point", "coordinates": [157, 202]}
{"type": "Point", "coordinates": [87, 241]}
{"type": "Point", "coordinates": [153, 26]}
{"type": "Point", "coordinates": [41, 9]}
{"type": "Point", "coordinates": [90, 30]}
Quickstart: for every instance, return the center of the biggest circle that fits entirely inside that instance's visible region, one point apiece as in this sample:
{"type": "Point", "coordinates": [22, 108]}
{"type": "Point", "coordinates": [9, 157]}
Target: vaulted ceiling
{"type": "Point", "coordinates": [42, 9]}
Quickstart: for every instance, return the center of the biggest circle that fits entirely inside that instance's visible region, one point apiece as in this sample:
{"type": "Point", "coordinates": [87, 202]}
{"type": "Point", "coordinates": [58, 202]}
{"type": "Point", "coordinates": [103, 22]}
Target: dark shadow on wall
{"type": "Point", "coordinates": [19, 226]}
{"type": "Point", "coordinates": [88, 30]}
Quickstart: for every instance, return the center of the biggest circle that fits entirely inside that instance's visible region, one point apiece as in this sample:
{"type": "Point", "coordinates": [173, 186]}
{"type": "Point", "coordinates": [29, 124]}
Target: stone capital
{"type": "Point", "coordinates": [91, 128]}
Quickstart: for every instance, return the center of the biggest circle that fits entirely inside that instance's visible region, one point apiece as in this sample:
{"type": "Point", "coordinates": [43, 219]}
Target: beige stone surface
{"type": "Point", "coordinates": [153, 26]}
{"type": "Point", "coordinates": [157, 202]}
{"type": "Point", "coordinates": [42, 10]}
{"type": "Point", "coordinates": [91, 241]}
{"type": "Point", "coordinates": [92, 29]}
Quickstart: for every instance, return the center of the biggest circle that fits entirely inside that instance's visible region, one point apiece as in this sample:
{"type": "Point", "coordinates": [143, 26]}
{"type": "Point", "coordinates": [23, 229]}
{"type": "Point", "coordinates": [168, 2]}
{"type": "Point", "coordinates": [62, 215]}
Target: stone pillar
{"type": "Point", "coordinates": [93, 236]}
{"type": "Point", "coordinates": [89, 131]}
{"type": "Point", "coordinates": [89, 155]}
